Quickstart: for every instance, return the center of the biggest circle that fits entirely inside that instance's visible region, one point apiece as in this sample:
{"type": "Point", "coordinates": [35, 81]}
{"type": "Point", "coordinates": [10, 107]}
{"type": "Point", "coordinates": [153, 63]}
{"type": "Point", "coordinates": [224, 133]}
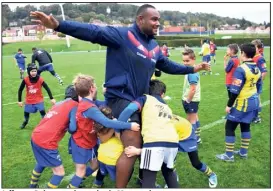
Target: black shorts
{"type": "Point", "coordinates": [118, 105]}
{"type": "Point", "coordinates": [191, 107]}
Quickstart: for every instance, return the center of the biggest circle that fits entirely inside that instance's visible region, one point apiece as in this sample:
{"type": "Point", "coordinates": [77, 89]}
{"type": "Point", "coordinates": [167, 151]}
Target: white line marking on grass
{"type": "Point", "coordinates": [210, 125]}
{"type": "Point", "coordinates": [11, 103]}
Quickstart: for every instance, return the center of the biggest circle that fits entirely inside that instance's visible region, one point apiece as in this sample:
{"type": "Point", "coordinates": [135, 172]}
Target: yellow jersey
{"type": "Point", "coordinates": [249, 88]}
{"type": "Point", "coordinates": [110, 151]}
{"type": "Point", "coordinates": [183, 127]}
{"type": "Point", "coordinates": [156, 122]}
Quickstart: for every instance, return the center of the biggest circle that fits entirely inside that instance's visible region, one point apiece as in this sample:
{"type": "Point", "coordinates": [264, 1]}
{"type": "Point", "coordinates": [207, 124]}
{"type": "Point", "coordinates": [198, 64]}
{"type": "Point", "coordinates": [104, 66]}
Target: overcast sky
{"type": "Point", "coordinates": [255, 12]}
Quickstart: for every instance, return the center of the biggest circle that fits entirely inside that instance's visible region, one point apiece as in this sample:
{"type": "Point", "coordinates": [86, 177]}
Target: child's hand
{"type": "Point", "coordinates": [132, 151]}
{"type": "Point", "coordinates": [53, 101]}
{"type": "Point", "coordinates": [20, 104]}
{"type": "Point", "coordinates": [135, 126]}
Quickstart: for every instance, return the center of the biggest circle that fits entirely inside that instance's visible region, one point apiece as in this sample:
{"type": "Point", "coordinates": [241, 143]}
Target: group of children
{"type": "Point", "coordinates": [94, 145]}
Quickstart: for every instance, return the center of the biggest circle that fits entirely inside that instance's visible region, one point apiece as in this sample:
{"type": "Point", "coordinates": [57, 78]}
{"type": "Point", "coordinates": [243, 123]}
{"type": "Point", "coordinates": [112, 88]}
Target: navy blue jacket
{"type": "Point", "coordinates": [131, 57]}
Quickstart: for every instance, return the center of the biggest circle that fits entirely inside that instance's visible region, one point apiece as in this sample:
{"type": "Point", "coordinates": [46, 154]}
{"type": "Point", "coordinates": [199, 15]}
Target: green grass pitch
{"type": "Point", "coordinates": [18, 160]}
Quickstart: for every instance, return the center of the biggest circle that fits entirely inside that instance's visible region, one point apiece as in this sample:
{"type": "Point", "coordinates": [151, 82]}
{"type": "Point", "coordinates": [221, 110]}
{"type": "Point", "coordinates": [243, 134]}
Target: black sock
{"type": "Point", "coordinates": [169, 176]}
{"type": "Point", "coordinates": [149, 178]}
{"type": "Point", "coordinates": [42, 113]}
{"type": "Point", "coordinates": [26, 115]}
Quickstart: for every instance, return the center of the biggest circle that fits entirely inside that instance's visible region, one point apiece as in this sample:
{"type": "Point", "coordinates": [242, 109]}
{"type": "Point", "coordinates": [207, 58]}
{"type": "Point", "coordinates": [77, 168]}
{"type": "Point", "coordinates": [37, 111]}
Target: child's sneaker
{"type": "Point", "coordinates": [224, 157]}
{"type": "Point", "coordinates": [213, 180]}
{"type": "Point", "coordinates": [243, 156]}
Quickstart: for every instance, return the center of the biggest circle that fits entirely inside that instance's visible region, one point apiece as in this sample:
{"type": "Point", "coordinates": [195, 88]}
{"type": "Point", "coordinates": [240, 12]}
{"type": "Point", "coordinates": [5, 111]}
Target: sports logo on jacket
{"type": "Point", "coordinates": [148, 54]}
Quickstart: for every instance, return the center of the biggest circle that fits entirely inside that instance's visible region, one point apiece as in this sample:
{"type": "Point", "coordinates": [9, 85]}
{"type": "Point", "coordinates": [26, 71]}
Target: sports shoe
{"type": "Point", "coordinates": [224, 157]}
{"type": "Point", "coordinates": [61, 83]}
{"type": "Point", "coordinates": [257, 120]}
{"type": "Point", "coordinates": [23, 125]}
{"type": "Point", "coordinates": [96, 185]}
{"type": "Point", "coordinates": [213, 180]}
{"type": "Point", "coordinates": [243, 156]}
{"type": "Point", "coordinates": [199, 140]}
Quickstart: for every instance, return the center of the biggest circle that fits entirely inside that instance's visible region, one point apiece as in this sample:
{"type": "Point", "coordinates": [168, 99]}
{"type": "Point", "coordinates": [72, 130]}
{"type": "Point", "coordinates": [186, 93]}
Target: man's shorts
{"type": "Point", "coordinates": [46, 157]}
{"type": "Point", "coordinates": [21, 66]}
{"type": "Point", "coordinates": [191, 107]}
{"type": "Point", "coordinates": [188, 145]}
{"type": "Point", "coordinates": [242, 117]}
{"type": "Point", "coordinates": [33, 108]}
{"type": "Point", "coordinates": [152, 158]}
{"type": "Point", "coordinates": [118, 105]}
{"type": "Point", "coordinates": [81, 155]}
{"type": "Point", "coordinates": [108, 169]}
{"type": "Point", "coordinates": [47, 67]}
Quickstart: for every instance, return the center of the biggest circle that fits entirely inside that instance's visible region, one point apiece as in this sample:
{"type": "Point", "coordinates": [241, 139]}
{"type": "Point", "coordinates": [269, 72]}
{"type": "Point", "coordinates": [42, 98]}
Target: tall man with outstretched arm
{"type": "Point", "coordinates": [131, 59]}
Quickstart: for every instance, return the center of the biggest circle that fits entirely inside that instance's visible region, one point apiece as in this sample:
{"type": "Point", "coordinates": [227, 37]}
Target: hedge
{"type": "Point", "coordinates": [218, 42]}
{"type": "Point", "coordinates": [176, 37]}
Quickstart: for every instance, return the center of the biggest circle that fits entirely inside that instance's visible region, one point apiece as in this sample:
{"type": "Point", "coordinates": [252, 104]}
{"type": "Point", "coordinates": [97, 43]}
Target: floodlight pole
{"type": "Point", "coordinates": [200, 28]}
{"type": "Point", "coordinates": [66, 36]}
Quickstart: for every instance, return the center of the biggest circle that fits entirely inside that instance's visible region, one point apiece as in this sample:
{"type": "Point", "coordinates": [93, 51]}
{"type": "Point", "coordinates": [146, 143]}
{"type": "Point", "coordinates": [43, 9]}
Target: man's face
{"type": "Point", "coordinates": [149, 21]}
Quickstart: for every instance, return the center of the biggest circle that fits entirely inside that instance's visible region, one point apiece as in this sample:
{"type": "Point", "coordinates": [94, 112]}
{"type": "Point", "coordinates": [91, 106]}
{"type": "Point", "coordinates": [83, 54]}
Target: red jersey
{"type": "Point", "coordinates": [85, 135]}
{"type": "Point", "coordinates": [229, 75]}
{"type": "Point", "coordinates": [53, 126]}
{"type": "Point", "coordinates": [165, 51]}
{"type": "Point", "coordinates": [34, 93]}
{"type": "Point", "coordinates": [212, 48]}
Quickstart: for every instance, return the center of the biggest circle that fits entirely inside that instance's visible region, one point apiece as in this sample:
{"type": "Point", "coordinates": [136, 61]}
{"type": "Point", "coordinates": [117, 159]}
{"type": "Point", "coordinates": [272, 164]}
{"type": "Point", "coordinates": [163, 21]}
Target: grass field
{"type": "Point", "coordinates": [18, 160]}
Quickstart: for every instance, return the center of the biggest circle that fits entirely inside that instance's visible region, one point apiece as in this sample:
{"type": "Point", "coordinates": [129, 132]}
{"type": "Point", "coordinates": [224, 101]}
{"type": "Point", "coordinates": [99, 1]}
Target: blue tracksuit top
{"type": "Point", "coordinates": [131, 57]}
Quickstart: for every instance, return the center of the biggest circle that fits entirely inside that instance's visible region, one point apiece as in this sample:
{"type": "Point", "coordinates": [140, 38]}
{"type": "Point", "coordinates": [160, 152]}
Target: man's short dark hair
{"type": "Point", "coordinates": [143, 8]}
{"type": "Point", "coordinates": [234, 48]}
{"type": "Point", "coordinates": [249, 49]}
{"type": "Point", "coordinates": [19, 49]}
{"type": "Point", "coordinates": [157, 87]}
{"type": "Point", "coordinates": [34, 48]}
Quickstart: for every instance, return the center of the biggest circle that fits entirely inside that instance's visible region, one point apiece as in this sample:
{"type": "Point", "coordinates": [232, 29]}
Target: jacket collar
{"type": "Point", "coordinates": [144, 36]}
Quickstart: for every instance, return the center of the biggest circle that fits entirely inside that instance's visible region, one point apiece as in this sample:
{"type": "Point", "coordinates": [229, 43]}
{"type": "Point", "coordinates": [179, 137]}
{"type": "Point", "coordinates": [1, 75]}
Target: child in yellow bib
{"type": "Point", "coordinates": [160, 140]}
{"type": "Point", "coordinates": [109, 150]}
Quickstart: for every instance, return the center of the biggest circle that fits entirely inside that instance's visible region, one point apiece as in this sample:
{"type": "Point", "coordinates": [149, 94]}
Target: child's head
{"type": "Point", "coordinates": [258, 44]}
{"type": "Point", "coordinates": [20, 51]}
{"type": "Point", "coordinates": [232, 49]}
{"type": "Point", "coordinates": [211, 41]}
{"type": "Point", "coordinates": [70, 92]}
{"type": "Point", "coordinates": [85, 86]}
{"type": "Point", "coordinates": [157, 87]}
{"type": "Point", "coordinates": [248, 51]}
{"type": "Point", "coordinates": [188, 57]}
{"type": "Point", "coordinates": [107, 111]}
{"type": "Point", "coordinates": [32, 70]}
{"type": "Point", "coordinates": [34, 49]}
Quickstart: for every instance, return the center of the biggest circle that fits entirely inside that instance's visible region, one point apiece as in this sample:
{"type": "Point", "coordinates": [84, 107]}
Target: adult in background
{"type": "Point", "coordinates": [131, 59]}
{"type": "Point", "coordinates": [45, 62]}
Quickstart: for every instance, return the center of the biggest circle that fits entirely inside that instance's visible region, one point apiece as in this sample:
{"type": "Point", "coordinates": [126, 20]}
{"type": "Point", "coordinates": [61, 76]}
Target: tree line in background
{"type": "Point", "coordinates": [120, 13]}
